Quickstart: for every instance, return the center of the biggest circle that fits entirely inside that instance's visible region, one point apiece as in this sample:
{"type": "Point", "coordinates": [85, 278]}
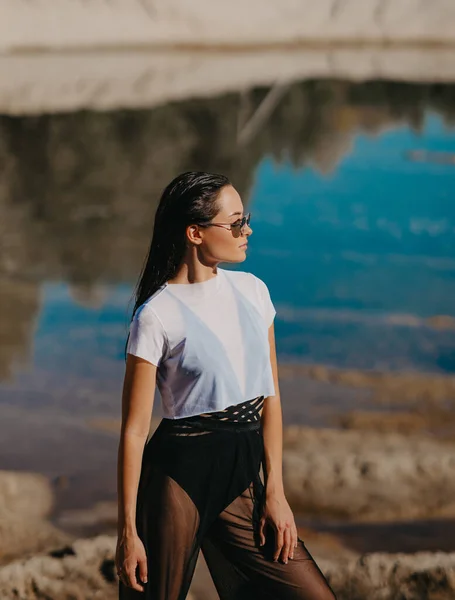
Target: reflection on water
{"type": "Point", "coordinates": [367, 253]}
{"type": "Point", "coordinates": [355, 241]}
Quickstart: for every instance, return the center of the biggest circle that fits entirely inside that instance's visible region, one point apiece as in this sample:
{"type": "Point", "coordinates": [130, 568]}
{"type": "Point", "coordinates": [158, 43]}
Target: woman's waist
{"type": "Point", "coordinates": [245, 416]}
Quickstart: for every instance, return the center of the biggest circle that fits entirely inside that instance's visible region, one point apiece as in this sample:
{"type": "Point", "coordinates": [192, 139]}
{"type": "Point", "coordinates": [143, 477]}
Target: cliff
{"type": "Point", "coordinates": [98, 23]}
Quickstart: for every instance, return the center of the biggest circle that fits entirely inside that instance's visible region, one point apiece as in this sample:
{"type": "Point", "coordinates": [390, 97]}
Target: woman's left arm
{"type": "Point", "coordinates": [277, 511]}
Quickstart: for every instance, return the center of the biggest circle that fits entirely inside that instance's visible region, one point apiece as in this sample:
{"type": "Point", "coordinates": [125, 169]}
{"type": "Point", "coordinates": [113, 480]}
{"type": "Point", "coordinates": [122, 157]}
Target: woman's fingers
{"type": "Point", "coordinates": [294, 540]}
{"type": "Point", "coordinates": [131, 563]}
{"type": "Point", "coordinates": [261, 531]}
{"type": "Point", "coordinates": [286, 541]}
{"type": "Point", "coordinates": [143, 569]}
{"type": "Point", "coordinates": [286, 545]}
{"type": "Point", "coordinates": [279, 538]}
{"type": "Point", "coordinates": [129, 575]}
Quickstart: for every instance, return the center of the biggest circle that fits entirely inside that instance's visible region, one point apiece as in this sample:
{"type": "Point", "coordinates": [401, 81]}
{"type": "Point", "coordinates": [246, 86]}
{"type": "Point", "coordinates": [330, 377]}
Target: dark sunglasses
{"type": "Point", "coordinates": [236, 226]}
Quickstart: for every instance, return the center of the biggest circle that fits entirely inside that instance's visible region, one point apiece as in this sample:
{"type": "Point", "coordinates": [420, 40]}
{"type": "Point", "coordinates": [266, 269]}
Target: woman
{"type": "Point", "coordinates": [205, 336]}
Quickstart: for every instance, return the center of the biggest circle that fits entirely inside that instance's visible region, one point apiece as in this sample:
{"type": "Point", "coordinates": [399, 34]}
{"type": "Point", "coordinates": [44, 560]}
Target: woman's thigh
{"type": "Point", "coordinates": [242, 569]}
{"type": "Point", "coordinates": [167, 523]}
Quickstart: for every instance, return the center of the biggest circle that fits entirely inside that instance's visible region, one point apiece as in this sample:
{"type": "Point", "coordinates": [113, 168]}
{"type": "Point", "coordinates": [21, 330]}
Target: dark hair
{"type": "Point", "coordinates": [189, 198]}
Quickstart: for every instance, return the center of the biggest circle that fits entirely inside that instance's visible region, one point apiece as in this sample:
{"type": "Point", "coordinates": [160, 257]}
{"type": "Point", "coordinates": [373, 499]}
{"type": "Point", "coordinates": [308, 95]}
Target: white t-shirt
{"type": "Point", "coordinates": [209, 341]}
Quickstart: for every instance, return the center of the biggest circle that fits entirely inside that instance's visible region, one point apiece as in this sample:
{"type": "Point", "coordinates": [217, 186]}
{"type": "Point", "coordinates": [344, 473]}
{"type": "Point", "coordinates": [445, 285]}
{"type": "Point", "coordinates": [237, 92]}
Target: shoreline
{"type": "Point", "coordinates": [35, 83]}
{"type": "Point", "coordinates": [236, 48]}
{"type": "Point", "coordinates": [65, 563]}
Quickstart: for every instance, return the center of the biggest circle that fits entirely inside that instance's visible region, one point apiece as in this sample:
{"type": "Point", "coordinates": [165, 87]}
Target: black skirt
{"type": "Point", "coordinates": [201, 489]}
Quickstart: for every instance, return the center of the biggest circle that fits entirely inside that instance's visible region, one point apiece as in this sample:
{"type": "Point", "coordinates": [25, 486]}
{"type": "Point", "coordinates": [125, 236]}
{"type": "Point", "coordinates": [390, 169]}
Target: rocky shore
{"type": "Point", "coordinates": [26, 500]}
{"type": "Point", "coordinates": [348, 475]}
{"type": "Point", "coordinates": [369, 476]}
{"type": "Point", "coordinates": [85, 570]}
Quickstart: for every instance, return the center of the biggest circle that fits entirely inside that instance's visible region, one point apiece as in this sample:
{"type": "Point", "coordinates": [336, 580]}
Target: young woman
{"type": "Point", "coordinates": [205, 336]}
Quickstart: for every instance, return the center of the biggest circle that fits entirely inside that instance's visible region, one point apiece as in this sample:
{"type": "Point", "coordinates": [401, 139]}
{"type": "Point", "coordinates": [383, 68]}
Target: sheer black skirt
{"type": "Point", "coordinates": [200, 489]}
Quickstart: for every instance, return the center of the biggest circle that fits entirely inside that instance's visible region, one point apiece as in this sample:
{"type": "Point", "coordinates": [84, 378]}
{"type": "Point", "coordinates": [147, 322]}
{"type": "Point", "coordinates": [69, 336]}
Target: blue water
{"type": "Point", "coordinates": [355, 260]}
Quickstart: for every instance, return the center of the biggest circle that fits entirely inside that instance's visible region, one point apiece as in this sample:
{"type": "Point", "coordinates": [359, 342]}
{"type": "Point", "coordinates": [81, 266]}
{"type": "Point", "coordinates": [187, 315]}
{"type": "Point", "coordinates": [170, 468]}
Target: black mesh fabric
{"type": "Point", "coordinates": [201, 490]}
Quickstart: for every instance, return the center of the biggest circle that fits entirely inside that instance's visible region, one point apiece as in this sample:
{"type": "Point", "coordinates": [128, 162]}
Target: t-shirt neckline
{"type": "Point", "coordinates": [198, 289]}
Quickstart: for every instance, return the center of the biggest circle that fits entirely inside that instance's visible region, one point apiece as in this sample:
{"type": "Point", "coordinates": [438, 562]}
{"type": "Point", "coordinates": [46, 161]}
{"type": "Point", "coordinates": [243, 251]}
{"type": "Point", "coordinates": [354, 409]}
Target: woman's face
{"type": "Point", "coordinates": [220, 243]}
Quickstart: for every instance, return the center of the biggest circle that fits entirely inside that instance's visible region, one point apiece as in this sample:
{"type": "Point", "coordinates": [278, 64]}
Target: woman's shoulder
{"type": "Point", "coordinates": [150, 309]}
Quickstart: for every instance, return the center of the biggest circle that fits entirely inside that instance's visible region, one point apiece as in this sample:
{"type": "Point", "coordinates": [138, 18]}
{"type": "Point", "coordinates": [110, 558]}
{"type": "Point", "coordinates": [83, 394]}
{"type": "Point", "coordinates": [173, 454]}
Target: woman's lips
{"type": "Point", "coordinates": [243, 246]}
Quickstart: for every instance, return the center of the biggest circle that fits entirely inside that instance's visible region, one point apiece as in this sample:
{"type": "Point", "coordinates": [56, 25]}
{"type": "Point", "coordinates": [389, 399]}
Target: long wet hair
{"type": "Point", "coordinates": [188, 199]}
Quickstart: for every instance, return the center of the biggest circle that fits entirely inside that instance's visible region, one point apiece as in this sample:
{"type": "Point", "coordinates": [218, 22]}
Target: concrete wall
{"type": "Point", "coordinates": [31, 24]}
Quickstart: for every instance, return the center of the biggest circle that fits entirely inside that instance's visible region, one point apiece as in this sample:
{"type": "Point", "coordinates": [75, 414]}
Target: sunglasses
{"type": "Point", "coordinates": [237, 226]}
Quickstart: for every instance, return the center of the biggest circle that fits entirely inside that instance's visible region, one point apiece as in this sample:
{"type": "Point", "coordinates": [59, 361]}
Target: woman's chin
{"type": "Point", "coordinates": [239, 259]}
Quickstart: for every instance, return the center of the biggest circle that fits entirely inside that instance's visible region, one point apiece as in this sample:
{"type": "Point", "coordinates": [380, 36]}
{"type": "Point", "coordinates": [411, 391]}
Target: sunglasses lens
{"type": "Point", "coordinates": [242, 222]}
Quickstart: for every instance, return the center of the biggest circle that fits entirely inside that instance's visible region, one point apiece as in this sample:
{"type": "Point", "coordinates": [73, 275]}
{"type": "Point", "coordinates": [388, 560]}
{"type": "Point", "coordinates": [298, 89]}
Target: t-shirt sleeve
{"type": "Point", "coordinates": [147, 337]}
{"type": "Point", "coordinates": [265, 302]}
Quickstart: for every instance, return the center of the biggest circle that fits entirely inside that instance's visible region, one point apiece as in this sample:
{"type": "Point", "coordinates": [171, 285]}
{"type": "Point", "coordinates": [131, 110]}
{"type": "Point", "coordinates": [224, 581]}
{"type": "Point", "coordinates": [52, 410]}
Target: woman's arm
{"type": "Point", "coordinates": [137, 405]}
{"type": "Point", "coordinates": [272, 423]}
{"type": "Point", "coordinates": [276, 509]}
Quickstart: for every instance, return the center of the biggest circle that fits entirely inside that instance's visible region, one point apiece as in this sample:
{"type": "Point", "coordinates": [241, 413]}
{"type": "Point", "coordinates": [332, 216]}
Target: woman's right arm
{"type": "Point", "coordinates": [137, 405]}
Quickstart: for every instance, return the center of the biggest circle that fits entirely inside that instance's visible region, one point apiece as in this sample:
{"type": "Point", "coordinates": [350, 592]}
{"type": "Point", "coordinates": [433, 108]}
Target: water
{"type": "Point", "coordinates": [354, 238]}
{"type": "Point", "coordinates": [360, 257]}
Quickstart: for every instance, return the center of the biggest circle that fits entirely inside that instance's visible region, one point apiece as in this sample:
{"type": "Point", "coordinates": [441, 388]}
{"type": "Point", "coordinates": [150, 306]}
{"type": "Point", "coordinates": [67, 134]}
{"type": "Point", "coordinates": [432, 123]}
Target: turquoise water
{"type": "Point", "coordinates": [355, 241]}
{"type": "Point", "coordinates": [355, 261]}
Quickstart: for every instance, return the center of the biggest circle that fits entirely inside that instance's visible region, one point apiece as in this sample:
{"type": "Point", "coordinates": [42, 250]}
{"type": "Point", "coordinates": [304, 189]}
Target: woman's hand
{"type": "Point", "coordinates": [278, 514]}
{"type": "Point", "coordinates": [130, 554]}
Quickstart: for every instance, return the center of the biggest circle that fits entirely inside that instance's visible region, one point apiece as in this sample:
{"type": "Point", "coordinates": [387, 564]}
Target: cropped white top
{"type": "Point", "coordinates": [209, 341]}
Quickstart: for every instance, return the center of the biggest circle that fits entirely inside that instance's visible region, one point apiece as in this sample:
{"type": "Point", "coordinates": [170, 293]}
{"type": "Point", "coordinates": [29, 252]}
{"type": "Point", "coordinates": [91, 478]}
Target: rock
{"type": "Point", "coordinates": [368, 476]}
{"type": "Point", "coordinates": [25, 494]}
{"type": "Point", "coordinates": [25, 501]}
{"type": "Point", "coordinates": [85, 571]}
{"type": "Point", "coordinates": [92, 23]}
{"type": "Point", "coordinates": [377, 576]}
{"type": "Point", "coordinates": [24, 536]}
